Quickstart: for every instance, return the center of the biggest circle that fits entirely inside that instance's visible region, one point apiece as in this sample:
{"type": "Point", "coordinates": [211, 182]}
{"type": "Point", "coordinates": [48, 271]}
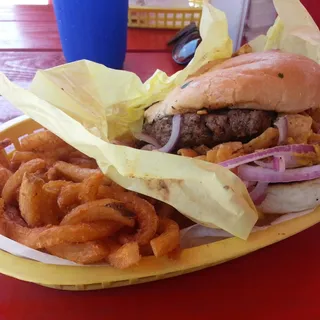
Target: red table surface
{"type": "Point", "coordinates": [277, 282]}
{"type": "Point", "coordinates": [28, 27]}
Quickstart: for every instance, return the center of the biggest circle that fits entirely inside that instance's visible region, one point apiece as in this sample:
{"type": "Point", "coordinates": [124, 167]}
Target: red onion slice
{"type": "Point", "coordinates": [282, 125]}
{"type": "Point", "coordinates": [249, 184]}
{"type": "Point", "coordinates": [264, 164]}
{"type": "Point", "coordinates": [146, 138]}
{"type": "Point", "coordinates": [279, 150]}
{"type": "Point", "coordinates": [175, 133]}
{"type": "Point", "coordinates": [258, 194]}
{"type": "Point", "coordinates": [253, 173]}
{"type": "Point", "coordinates": [279, 163]}
{"type": "Point", "coordinates": [290, 161]}
{"type": "Point", "coordinates": [149, 147]}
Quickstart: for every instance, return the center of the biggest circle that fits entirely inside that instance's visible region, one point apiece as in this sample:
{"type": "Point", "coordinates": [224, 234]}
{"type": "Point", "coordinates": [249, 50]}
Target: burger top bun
{"type": "Point", "coordinates": [272, 80]}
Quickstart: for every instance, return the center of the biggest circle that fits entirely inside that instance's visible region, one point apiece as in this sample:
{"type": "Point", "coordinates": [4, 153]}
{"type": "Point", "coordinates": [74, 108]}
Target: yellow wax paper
{"type": "Point", "coordinates": [293, 31]}
{"type": "Point", "coordinates": [87, 105]}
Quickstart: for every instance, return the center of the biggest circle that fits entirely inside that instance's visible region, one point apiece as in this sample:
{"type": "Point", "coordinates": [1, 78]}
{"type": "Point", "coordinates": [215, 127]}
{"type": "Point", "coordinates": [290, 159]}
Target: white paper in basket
{"type": "Point", "coordinates": [197, 235]}
{"type": "Point", "coordinates": [22, 251]}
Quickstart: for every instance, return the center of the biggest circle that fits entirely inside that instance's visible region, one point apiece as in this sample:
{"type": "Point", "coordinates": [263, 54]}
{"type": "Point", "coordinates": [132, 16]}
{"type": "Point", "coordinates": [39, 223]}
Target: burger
{"type": "Point", "coordinates": [256, 114]}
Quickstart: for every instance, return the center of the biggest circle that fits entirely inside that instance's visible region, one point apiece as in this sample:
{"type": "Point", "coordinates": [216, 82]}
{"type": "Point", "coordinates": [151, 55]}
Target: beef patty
{"type": "Point", "coordinates": [213, 128]}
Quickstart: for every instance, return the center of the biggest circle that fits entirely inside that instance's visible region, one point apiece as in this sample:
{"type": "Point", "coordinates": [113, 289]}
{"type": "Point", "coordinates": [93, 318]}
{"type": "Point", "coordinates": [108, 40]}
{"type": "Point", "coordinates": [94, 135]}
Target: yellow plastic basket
{"type": "Point", "coordinates": [165, 18]}
{"type": "Point", "coordinates": [80, 278]}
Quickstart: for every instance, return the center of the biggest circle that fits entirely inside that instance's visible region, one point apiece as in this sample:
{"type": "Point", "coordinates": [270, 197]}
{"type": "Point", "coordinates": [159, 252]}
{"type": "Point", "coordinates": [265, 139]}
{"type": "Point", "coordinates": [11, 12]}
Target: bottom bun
{"type": "Point", "coordinates": [291, 197]}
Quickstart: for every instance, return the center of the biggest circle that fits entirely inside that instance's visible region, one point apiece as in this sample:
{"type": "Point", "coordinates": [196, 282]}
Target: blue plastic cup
{"type": "Point", "coordinates": [95, 30]}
